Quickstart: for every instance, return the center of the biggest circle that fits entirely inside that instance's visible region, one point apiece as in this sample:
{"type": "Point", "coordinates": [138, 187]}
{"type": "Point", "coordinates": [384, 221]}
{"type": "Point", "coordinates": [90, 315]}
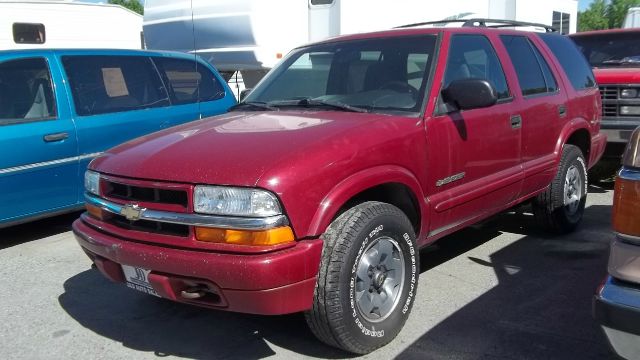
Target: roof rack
{"type": "Point", "coordinates": [481, 22]}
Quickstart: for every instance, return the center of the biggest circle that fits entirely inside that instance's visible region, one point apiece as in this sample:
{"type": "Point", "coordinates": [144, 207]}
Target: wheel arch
{"type": "Point", "coordinates": [577, 133]}
{"type": "Point", "coordinates": [390, 184]}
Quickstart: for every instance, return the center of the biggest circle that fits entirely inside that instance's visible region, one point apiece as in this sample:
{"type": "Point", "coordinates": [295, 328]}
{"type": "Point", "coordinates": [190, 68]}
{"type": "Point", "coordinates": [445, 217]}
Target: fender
{"type": "Point", "coordinates": [362, 181]}
{"type": "Point", "coordinates": [569, 128]}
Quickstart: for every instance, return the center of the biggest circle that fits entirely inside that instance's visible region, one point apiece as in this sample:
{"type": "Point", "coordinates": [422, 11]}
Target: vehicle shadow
{"type": "Point", "coordinates": [145, 323]}
{"type": "Point", "coordinates": [541, 307]}
{"type": "Point", "coordinates": [23, 233]}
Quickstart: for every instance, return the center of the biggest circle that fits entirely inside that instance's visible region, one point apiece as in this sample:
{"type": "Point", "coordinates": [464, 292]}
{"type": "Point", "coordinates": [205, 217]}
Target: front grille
{"type": "Point", "coordinates": [609, 92]}
{"type": "Point", "coordinates": [611, 100]}
{"type": "Point", "coordinates": [148, 226]}
{"type": "Point", "coordinates": [145, 194]}
{"type": "Point", "coordinates": [609, 110]}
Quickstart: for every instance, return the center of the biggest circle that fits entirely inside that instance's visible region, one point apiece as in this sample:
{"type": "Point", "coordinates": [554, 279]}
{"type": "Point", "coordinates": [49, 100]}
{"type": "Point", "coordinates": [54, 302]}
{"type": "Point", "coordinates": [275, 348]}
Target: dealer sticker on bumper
{"type": "Point", "coordinates": [137, 279]}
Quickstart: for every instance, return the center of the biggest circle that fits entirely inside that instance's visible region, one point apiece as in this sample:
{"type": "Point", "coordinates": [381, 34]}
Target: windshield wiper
{"type": "Point", "coordinates": [631, 60]}
{"type": "Point", "coordinates": [319, 103]}
{"type": "Point", "coordinates": [253, 104]}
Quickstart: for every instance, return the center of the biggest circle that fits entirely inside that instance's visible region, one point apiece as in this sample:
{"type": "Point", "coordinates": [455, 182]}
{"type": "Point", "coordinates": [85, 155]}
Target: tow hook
{"type": "Point", "coordinates": [195, 292]}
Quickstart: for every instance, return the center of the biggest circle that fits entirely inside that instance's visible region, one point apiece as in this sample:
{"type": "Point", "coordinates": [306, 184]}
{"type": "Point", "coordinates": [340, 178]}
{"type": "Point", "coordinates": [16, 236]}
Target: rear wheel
{"type": "Point", "coordinates": [367, 279]}
{"type": "Point", "coordinates": [560, 208]}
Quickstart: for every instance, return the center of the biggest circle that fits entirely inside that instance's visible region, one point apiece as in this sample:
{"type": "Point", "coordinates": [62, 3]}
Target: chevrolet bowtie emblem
{"type": "Point", "coordinates": [132, 212]}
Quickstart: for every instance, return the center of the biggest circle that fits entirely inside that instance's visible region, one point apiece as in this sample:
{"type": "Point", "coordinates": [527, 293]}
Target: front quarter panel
{"type": "Point", "coordinates": [316, 181]}
{"type": "Point", "coordinates": [348, 188]}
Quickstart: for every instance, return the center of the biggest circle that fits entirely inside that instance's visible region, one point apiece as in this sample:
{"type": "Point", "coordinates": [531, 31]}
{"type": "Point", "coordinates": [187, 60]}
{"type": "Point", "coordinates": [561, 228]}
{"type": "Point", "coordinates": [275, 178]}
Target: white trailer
{"type": "Point", "coordinates": [251, 36]}
{"type": "Point", "coordinates": [67, 24]}
{"type": "Point", "coordinates": [633, 18]}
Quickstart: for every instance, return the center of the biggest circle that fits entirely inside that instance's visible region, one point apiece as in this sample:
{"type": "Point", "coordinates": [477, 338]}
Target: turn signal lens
{"type": "Point", "coordinates": [94, 211]}
{"type": "Point", "coordinates": [277, 236]}
{"type": "Point", "coordinates": [626, 207]}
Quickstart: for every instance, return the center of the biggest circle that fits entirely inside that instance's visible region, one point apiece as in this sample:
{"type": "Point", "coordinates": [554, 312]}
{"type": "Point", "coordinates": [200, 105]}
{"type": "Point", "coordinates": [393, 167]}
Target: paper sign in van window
{"type": "Point", "coordinates": [114, 82]}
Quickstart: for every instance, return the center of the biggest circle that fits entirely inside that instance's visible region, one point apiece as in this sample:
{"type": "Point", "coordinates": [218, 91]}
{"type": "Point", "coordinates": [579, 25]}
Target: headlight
{"type": "Point", "coordinates": [221, 200]}
{"type": "Point", "coordinates": [631, 157]}
{"type": "Point", "coordinates": [92, 182]}
{"type": "Point", "coordinates": [629, 93]}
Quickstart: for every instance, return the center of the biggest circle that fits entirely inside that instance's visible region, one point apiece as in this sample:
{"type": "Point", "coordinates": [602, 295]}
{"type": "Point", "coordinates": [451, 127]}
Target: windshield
{"type": "Point", "coordinates": [612, 49]}
{"type": "Point", "coordinates": [387, 75]}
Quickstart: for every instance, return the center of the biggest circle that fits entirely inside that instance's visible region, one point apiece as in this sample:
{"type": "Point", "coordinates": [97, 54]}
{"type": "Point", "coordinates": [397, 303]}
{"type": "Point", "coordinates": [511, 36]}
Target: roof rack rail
{"type": "Point", "coordinates": [481, 22]}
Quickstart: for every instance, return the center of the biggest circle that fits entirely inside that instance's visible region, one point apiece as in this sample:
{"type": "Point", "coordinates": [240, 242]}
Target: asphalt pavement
{"type": "Point", "coordinates": [498, 290]}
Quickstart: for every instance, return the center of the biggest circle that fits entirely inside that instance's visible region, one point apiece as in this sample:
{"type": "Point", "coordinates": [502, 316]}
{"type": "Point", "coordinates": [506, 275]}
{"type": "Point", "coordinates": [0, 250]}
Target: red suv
{"type": "Point", "coordinates": [315, 194]}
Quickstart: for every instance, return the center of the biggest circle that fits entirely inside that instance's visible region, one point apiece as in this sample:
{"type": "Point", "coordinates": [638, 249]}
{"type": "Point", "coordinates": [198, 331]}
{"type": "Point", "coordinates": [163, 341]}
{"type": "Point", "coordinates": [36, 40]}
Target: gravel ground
{"type": "Point", "coordinates": [499, 290]}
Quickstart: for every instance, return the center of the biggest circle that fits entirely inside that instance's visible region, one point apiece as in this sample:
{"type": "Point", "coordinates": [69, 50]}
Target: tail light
{"type": "Point", "coordinates": [626, 206]}
{"type": "Point", "coordinates": [626, 198]}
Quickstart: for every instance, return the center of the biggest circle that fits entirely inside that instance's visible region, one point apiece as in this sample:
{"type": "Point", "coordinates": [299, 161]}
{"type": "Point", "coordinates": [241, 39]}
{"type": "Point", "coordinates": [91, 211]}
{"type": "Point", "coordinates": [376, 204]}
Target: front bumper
{"type": "Point", "coordinates": [619, 130]}
{"type": "Point", "coordinates": [278, 282]}
{"type": "Point", "coordinates": [617, 308]}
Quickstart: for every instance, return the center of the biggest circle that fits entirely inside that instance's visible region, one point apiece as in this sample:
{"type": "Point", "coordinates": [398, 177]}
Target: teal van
{"type": "Point", "coordinates": [61, 108]}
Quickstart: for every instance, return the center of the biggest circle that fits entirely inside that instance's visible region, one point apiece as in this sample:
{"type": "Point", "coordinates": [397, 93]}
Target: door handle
{"type": "Point", "coordinates": [56, 137]}
{"type": "Point", "coordinates": [562, 110]}
{"type": "Point", "coordinates": [516, 121]}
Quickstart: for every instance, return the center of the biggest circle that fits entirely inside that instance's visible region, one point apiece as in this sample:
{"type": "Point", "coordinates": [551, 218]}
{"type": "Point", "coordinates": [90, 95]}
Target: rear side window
{"type": "Point", "coordinates": [571, 60]}
{"type": "Point", "coordinates": [473, 57]}
{"type": "Point", "coordinates": [533, 72]}
{"type": "Point", "coordinates": [188, 81]}
{"type": "Point", "coordinates": [26, 93]}
{"type": "Point", "coordinates": [106, 84]}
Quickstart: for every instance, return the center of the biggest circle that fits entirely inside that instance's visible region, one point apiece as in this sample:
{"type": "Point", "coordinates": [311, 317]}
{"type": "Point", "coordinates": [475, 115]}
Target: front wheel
{"type": "Point", "coordinates": [560, 208]}
{"type": "Point", "coordinates": [367, 280]}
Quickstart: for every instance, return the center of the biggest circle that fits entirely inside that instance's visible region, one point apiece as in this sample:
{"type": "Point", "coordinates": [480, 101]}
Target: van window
{"type": "Point", "coordinates": [24, 33]}
{"type": "Point", "coordinates": [528, 68]}
{"type": "Point", "coordinates": [473, 57]}
{"type": "Point", "coordinates": [322, 2]}
{"type": "Point", "coordinates": [188, 81]}
{"type": "Point", "coordinates": [103, 84]}
{"type": "Point", "coordinates": [26, 93]}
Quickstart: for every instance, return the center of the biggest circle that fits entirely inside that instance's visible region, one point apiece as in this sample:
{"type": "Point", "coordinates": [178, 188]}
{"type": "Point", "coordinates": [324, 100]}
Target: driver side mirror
{"type": "Point", "coordinates": [467, 94]}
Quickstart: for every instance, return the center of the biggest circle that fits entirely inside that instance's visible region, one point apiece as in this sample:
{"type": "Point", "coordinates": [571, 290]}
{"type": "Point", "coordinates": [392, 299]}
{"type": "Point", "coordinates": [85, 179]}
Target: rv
{"type": "Point", "coordinates": [251, 36]}
{"type": "Point", "coordinates": [633, 18]}
{"type": "Point", "coordinates": [67, 24]}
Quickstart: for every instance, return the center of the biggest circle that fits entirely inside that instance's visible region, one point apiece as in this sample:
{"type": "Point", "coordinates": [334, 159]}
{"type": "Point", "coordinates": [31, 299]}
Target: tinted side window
{"type": "Point", "coordinates": [473, 57]}
{"type": "Point", "coordinates": [25, 91]}
{"type": "Point", "coordinates": [105, 84]}
{"type": "Point", "coordinates": [549, 79]}
{"type": "Point", "coordinates": [188, 81]}
{"type": "Point", "coordinates": [571, 60]}
{"type": "Point", "coordinates": [525, 62]}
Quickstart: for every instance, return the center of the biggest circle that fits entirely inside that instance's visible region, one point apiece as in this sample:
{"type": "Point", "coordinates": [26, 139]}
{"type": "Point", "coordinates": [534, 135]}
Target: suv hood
{"type": "Point", "coordinates": [232, 149]}
{"type": "Point", "coordinates": [617, 75]}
